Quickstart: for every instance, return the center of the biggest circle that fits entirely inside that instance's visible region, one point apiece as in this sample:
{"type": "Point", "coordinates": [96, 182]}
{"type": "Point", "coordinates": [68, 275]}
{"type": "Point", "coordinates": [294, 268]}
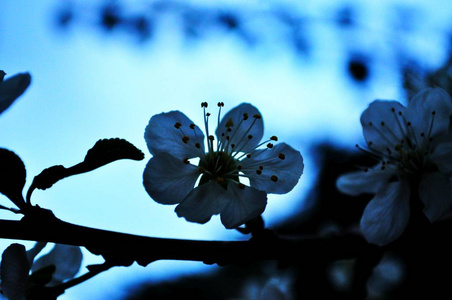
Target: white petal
{"type": "Point", "coordinates": [168, 179]}
{"type": "Point", "coordinates": [287, 169]}
{"type": "Point", "coordinates": [161, 135]}
{"type": "Point", "coordinates": [381, 127]}
{"type": "Point", "coordinates": [442, 157]}
{"type": "Point", "coordinates": [67, 260]}
{"type": "Point", "coordinates": [12, 88]}
{"type": "Point", "coordinates": [243, 128]}
{"type": "Point", "coordinates": [244, 204]}
{"type": "Point", "coordinates": [420, 110]}
{"type": "Point", "coordinates": [203, 202]}
{"type": "Point", "coordinates": [14, 272]}
{"type": "Point", "coordinates": [436, 193]}
{"type": "Point", "coordinates": [361, 182]}
{"type": "Point", "coordinates": [387, 214]}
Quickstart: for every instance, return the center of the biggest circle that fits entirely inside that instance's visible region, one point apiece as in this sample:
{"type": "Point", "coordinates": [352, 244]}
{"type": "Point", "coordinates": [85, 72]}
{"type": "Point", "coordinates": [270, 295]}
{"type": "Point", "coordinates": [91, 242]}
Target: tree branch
{"type": "Point", "coordinates": [123, 249]}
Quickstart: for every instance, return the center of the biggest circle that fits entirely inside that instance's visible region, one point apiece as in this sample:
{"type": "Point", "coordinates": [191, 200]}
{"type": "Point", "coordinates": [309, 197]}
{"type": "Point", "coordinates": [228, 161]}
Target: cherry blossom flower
{"type": "Point", "coordinates": [12, 88]}
{"type": "Point", "coordinates": [415, 155]}
{"type": "Point", "coordinates": [171, 174]}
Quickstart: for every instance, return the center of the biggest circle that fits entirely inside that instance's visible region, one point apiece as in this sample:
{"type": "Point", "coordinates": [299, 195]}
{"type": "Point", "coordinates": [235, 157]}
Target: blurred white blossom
{"type": "Point", "coordinates": [415, 154]}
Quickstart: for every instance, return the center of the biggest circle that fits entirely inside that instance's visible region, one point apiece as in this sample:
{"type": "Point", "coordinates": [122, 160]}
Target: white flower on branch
{"type": "Point", "coordinates": [170, 177]}
{"type": "Point", "coordinates": [12, 88]}
{"type": "Point", "coordinates": [415, 156]}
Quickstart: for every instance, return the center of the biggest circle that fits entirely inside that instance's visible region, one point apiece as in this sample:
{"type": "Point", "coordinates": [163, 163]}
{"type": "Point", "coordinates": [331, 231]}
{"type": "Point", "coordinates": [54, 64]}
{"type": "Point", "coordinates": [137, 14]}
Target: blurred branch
{"type": "Point", "coordinates": [123, 249]}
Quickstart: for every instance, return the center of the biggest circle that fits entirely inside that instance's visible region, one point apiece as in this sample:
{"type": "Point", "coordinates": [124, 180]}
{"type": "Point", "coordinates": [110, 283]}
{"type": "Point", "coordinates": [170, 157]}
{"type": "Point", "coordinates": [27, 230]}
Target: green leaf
{"type": "Point", "coordinates": [12, 177]}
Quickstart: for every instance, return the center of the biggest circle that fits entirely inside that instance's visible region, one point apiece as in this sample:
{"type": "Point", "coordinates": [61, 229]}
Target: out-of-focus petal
{"type": "Point", "coordinates": [203, 202]}
{"type": "Point", "coordinates": [161, 135]}
{"type": "Point", "coordinates": [14, 272]}
{"type": "Point", "coordinates": [361, 182]}
{"type": "Point", "coordinates": [442, 157]}
{"type": "Point", "coordinates": [242, 128]}
{"type": "Point", "coordinates": [281, 161]}
{"type": "Point", "coordinates": [387, 214]}
{"type": "Point", "coordinates": [420, 112]}
{"type": "Point", "coordinates": [435, 191]}
{"type": "Point", "coordinates": [12, 88]}
{"type": "Point", "coordinates": [381, 127]}
{"type": "Point", "coordinates": [67, 260]}
{"type": "Point", "coordinates": [244, 204]}
{"type": "Point", "coordinates": [167, 179]}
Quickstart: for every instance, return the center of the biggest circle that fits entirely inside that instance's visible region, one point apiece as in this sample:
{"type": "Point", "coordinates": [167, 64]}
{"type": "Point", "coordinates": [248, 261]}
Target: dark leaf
{"type": "Point", "coordinates": [12, 176]}
{"type": "Point", "coordinates": [42, 276]}
{"type": "Point", "coordinates": [108, 150]}
{"type": "Point", "coordinates": [12, 88]}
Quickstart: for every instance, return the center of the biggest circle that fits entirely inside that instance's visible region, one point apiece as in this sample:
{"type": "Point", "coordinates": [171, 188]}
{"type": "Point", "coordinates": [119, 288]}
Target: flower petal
{"type": "Point", "coordinates": [435, 192]}
{"type": "Point", "coordinates": [244, 204]}
{"type": "Point", "coordinates": [382, 124]}
{"type": "Point", "coordinates": [442, 157]}
{"type": "Point", "coordinates": [168, 179]}
{"type": "Point", "coordinates": [161, 135]}
{"type": "Point", "coordinates": [421, 107]}
{"type": "Point", "coordinates": [201, 203]}
{"type": "Point", "coordinates": [253, 126]}
{"type": "Point", "coordinates": [67, 260]}
{"type": "Point", "coordinates": [12, 88]}
{"type": "Point", "coordinates": [387, 214]}
{"type": "Point", "coordinates": [360, 182]}
{"type": "Point", "coordinates": [281, 161]}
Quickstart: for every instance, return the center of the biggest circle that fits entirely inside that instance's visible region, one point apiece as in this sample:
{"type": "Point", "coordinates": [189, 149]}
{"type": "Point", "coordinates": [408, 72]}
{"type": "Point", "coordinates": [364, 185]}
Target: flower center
{"type": "Point", "coordinates": [409, 150]}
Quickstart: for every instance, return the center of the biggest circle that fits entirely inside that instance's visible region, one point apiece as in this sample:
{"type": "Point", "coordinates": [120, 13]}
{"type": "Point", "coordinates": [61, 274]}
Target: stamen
{"type": "Point", "coordinates": [192, 126]}
{"type": "Point", "coordinates": [245, 116]}
{"type": "Point", "coordinates": [281, 156]}
{"type": "Point", "coordinates": [269, 145]}
{"type": "Point", "coordinates": [177, 125]}
{"type": "Point", "coordinates": [185, 139]}
{"type": "Point", "coordinates": [274, 138]}
{"type": "Point", "coordinates": [274, 178]}
{"type": "Point", "coordinates": [204, 104]}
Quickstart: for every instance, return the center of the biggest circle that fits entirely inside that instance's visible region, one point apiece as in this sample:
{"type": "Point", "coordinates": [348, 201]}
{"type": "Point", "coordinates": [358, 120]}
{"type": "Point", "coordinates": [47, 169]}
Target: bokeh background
{"type": "Point", "coordinates": [101, 69]}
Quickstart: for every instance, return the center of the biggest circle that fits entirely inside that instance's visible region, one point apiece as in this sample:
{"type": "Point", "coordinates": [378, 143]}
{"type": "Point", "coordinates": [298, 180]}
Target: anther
{"type": "Point", "coordinates": [208, 114]}
{"type": "Point", "coordinates": [382, 123]}
{"type": "Point", "coordinates": [261, 168]}
{"type": "Point", "coordinates": [392, 109]}
{"type": "Point", "coordinates": [211, 138]}
{"type": "Point", "coordinates": [250, 137]}
{"type": "Point", "coordinates": [433, 113]}
{"type": "Point", "coordinates": [371, 124]}
{"type": "Point", "coordinates": [229, 130]}
{"type": "Point", "coordinates": [248, 155]}
{"type": "Point", "coordinates": [186, 161]}
{"type": "Point", "coordinates": [198, 145]}
{"type": "Point", "coordinates": [239, 167]}
{"type": "Point", "coordinates": [245, 116]}
{"type": "Point", "coordinates": [408, 123]}
{"type": "Point", "coordinates": [220, 104]}
{"type": "Point", "coordinates": [232, 146]}
{"type": "Point", "coordinates": [258, 172]}
{"type": "Point", "coordinates": [422, 134]}
{"type": "Point", "coordinates": [229, 123]}
{"type": "Point", "coordinates": [274, 178]}
{"type": "Point", "coordinates": [274, 138]}
{"type": "Point", "coordinates": [241, 186]}
{"type": "Point", "coordinates": [204, 104]}
{"type": "Point", "coordinates": [269, 145]}
{"type": "Point", "coordinates": [257, 116]}
{"type": "Point", "coordinates": [192, 126]}
{"type": "Point", "coordinates": [185, 139]}
{"type": "Point", "coordinates": [282, 156]}
{"type": "Point", "coordinates": [177, 125]}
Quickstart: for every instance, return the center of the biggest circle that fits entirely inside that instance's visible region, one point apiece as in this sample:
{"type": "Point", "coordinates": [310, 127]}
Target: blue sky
{"type": "Point", "coordinates": [87, 85]}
